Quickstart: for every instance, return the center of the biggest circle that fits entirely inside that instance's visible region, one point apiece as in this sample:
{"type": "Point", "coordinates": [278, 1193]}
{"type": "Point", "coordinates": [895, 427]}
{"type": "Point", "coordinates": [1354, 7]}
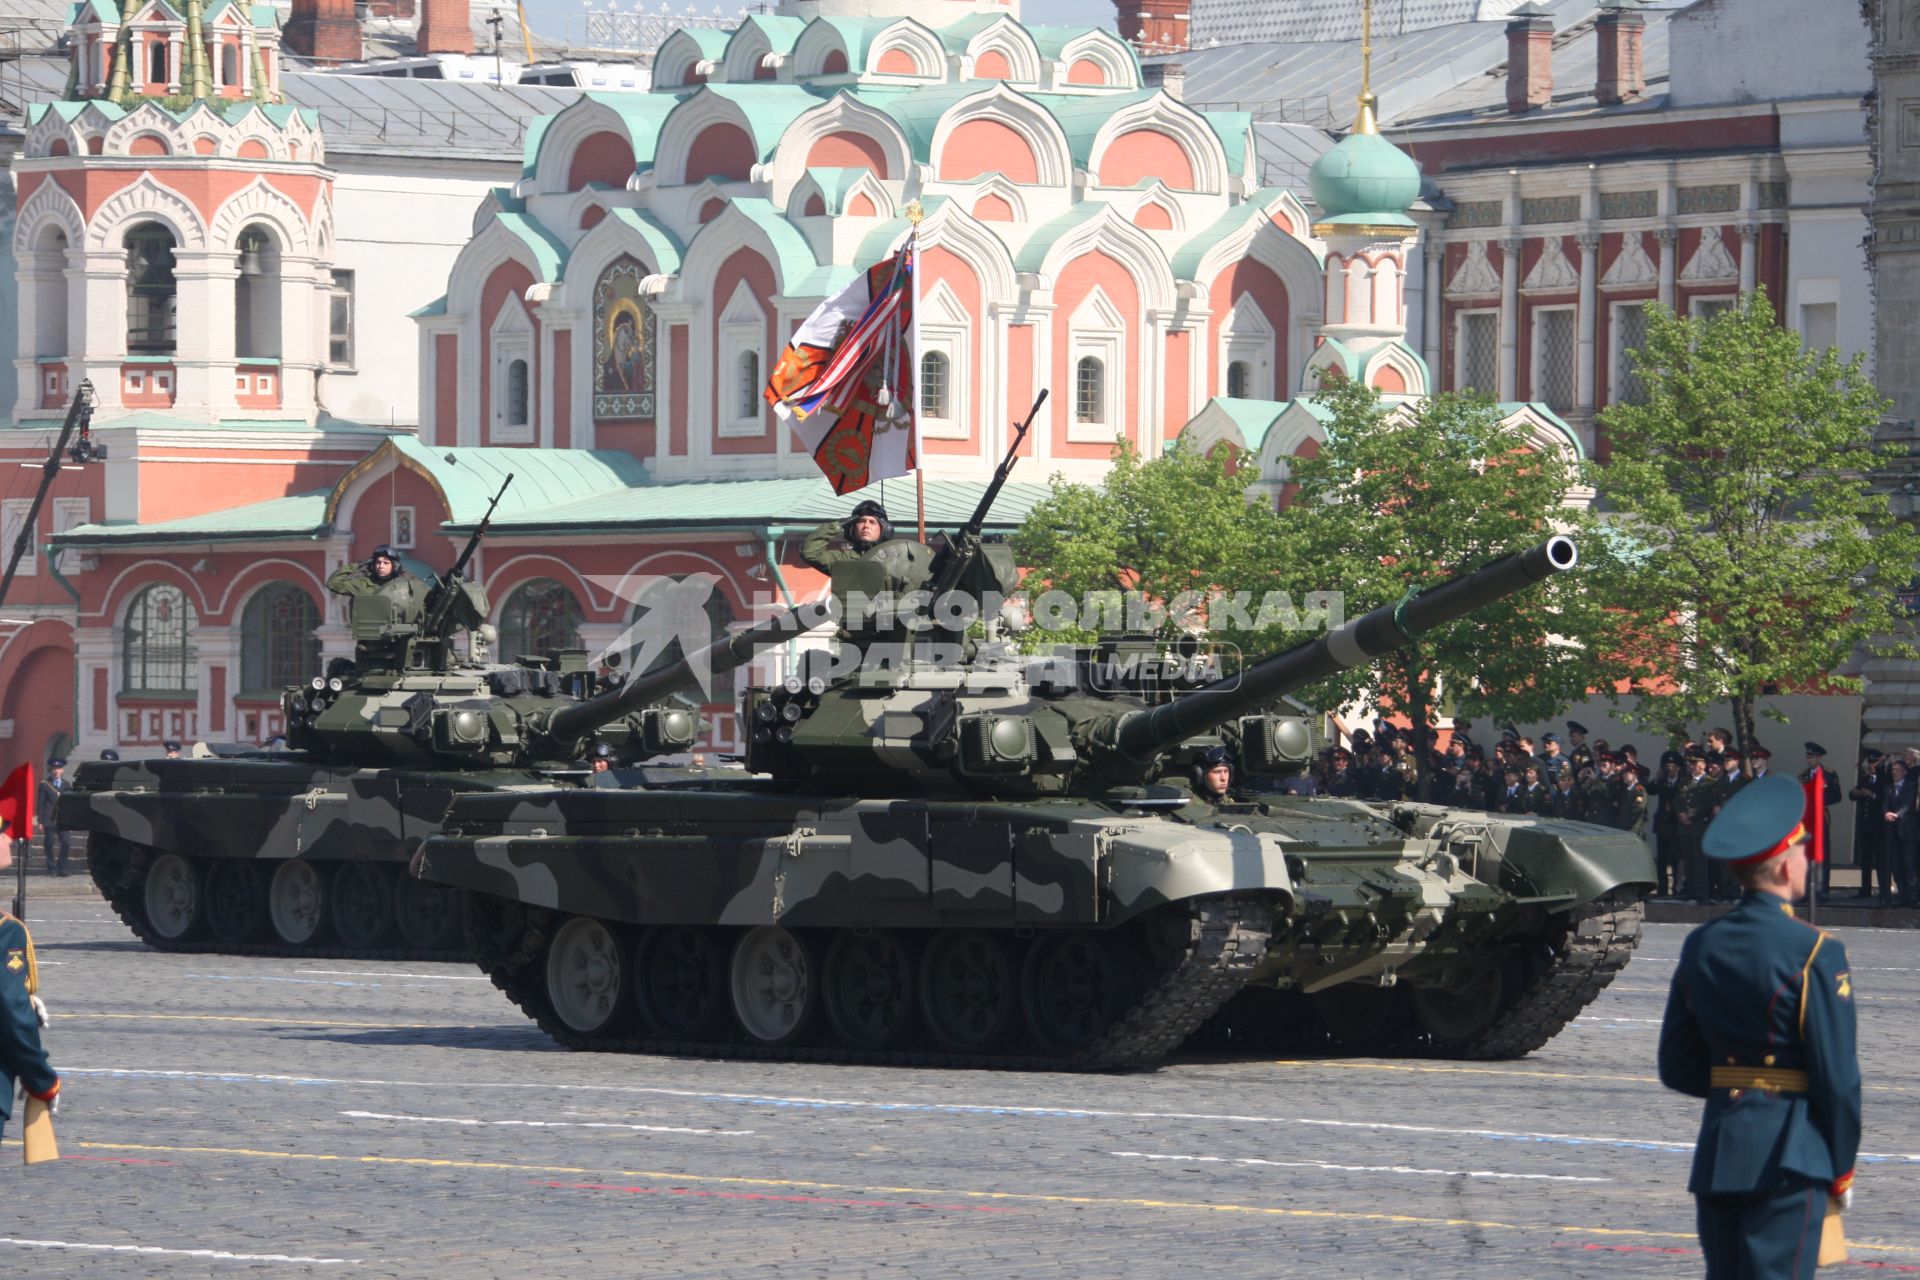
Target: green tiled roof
{"type": "Point", "coordinates": [643, 114]}
{"type": "Point", "coordinates": [468, 477]}
{"type": "Point", "coordinates": [438, 307]}
{"type": "Point", "coordinates": [796, 258]}
{"type": "Point", "coordinates": [858, 34]}
{"type": "Point", "coordinates": [780, 32]}
{"type": "Point", "coordinates": [548, 253]}
{"type": "Point", "coordinates": [1186, 260]}
{"type": "Point", "coordinates": [1253, 417]}
{"type": "Point", "coordinates": [800, 502]}
{"type": "Point", "coordinates": [834, 185]}
{"type": "Point", "coordinates": [1034, 251]}
{"type": "Point", "coordinates": [660, 242]}
{"type": "Point", "coordinates": [768, 107]}
{"type": "Point", "coordinates": [1082, 116]}
{"type": "Point", "coordinates": [302, 515]}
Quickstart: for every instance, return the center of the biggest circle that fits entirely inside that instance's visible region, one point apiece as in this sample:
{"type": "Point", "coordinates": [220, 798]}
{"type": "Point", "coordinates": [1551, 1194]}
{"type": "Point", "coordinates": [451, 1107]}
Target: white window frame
{"type": "Point", "coordinates": [405, 529]}
{"type": "Point", "coordinates": [13, 517]}
{"type": "Point", "coordinates": [510, 339]}
{"type": "Point", "coordinates": [1696, 305]}
{"type": "Point", "coordinates": [340, 285]}
{"type": "Point", "coordinates": [1460, 347]}
{"type": "Point", "coordinates": [1536, 348]}
{"type": "Point", "coordinates": [1616, 356]}
{"type": "Point", "coordinates": [1247, 337]}
{"type": "Point", "coordinates": [1832, 308]}
{"type": "Point", "coordinates": [944, 327]}
{"type": "Point", "coordinates": [162, 382]}
{"type": "Point", "coordinates": [1097, 329]}
{"type": "Point", "coordinates": [743, 328]}
{"type": "Point", "coordinates": [137, 381]}
{"type": "Point", "coordinates": [69, 513]}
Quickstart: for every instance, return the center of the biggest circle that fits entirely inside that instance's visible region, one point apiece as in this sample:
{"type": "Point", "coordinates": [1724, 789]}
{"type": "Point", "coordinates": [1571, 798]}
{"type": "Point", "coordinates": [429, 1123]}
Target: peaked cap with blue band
{"type": "Point", "coordinates": [1762, 815]}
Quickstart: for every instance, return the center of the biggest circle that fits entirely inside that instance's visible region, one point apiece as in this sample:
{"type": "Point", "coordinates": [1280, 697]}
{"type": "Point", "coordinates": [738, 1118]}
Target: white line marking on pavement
{"type": "Point", "coordinates": [304, 982]}
{"type": "Point", "coordinates": [550, 1124]}
{"type": "Point", "coordinates": [149, 1250]}
{"type": "Point", "coordinates": [1256, 1162]}
{"type": "Point", "coordinates": [933, 1108]}
{"type": "Point", "coordinates": [382, 973]}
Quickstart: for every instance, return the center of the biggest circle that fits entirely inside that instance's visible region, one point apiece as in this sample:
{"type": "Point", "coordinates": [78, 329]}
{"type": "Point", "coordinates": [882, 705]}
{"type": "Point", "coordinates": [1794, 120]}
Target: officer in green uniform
{"type": "Point", "coordinates": [22, 1058]}
{"type": "Point", "coordinates": [383, 574]}
{"type": "Point", "coordinates": [1760, 1023]}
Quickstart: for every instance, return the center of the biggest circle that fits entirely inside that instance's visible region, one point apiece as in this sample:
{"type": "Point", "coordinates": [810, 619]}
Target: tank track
{"type": "Point", "coordinates": [119, 882]}
{"type": "Point", "coordinates": [1228, 937]}
{"type": "Point", "coordinates": [1600, 939]}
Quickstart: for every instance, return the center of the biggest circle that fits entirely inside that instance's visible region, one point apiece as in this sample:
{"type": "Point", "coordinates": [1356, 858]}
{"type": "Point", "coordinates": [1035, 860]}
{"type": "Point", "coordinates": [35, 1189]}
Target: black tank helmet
{"type": "Point", "coordinates": [1205, 762]}
{"type": "Point", "coordinates": [384, 551]}
{"type": "Point", "coordinates": [867, 508]}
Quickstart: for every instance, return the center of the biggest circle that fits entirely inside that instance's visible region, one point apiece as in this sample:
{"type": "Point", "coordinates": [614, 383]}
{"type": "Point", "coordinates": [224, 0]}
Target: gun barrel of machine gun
{"type": "Point", "coordinates": [445, 603]}
{"type": "Point", "coordinates": [954, 563]}
{"type": "Point", "coordinates": [1141, 735]}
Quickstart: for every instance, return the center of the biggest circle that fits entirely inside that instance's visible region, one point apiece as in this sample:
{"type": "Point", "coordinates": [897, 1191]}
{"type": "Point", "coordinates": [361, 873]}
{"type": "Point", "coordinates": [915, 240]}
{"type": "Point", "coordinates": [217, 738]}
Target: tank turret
{"type": "Point", "coordinates": [912, 723]}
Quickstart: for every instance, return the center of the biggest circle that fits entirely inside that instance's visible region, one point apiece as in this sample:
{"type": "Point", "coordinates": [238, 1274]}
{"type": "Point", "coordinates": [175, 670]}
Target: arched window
{"type": "Point", "coordinates": [278, 646]}
{"type": "Point", "coordinates": [50, 292]}
{"type": "Point", "coordinates": [749, 406]}
{"type": "Point", "coordinates": [719, 611]}
{"type": "Point", "coordinates": [157, 62]}
{"type": "Point", "coordinates": [150, 289]}
{"type": "Point", "coordinates": [1089, 390]}
{"type": "Point", "coordinates": [517, 394]}
{"type": "Point", "coordinates": [157, 643]}
{"type": "Point", "coordinates": [539, 615]}
{"type": "Point", "coordinates": [1238, 377]}
{"type": "Point", "coordinates": [934, 369]}
{"type": "Point", "coordinates": [229, 64]}
{"type": "Point", "coordinates": [256, 296]}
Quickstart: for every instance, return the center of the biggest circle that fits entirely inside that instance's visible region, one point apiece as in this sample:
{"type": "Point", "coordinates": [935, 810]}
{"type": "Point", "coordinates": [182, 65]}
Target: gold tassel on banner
{"type": "Point", "coordinates": [37, 1134]}
{"type": "Point", "coordinates": [1833, 1236]}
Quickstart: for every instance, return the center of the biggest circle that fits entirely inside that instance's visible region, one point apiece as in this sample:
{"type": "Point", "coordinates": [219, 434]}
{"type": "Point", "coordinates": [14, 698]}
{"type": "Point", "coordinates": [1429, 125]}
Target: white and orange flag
{"type": "Point", "coordinates": [845, 383]}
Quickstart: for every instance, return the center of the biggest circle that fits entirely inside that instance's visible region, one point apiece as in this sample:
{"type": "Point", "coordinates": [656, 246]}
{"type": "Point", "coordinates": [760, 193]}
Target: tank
{"type": "Point", "coordinates": [302, 851]}
{"type": "Point", "coordinates": [983, 861]}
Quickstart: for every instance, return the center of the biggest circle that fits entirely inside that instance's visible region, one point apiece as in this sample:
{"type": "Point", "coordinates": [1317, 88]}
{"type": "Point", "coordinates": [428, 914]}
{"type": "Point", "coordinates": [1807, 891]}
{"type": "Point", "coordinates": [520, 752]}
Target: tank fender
{"type": "Point", "coordinates": [1149, 865]}
{"type": "Point", "coordinates": [1577, 859]}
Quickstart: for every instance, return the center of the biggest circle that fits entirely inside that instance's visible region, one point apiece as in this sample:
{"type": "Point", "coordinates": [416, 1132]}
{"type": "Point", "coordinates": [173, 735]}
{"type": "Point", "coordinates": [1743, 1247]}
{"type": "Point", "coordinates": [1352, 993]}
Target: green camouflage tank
{"type": "Point", "coordinates": [974, 858]}
{"type": "Point", "coordinates": [304, 851]}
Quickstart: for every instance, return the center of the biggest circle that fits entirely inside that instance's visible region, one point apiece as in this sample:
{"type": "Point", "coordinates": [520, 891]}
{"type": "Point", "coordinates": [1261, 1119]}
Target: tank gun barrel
{"type": "Point", "coordinates": [1141, 735]}
{"type": "Point", "coordinates": [642, 689]}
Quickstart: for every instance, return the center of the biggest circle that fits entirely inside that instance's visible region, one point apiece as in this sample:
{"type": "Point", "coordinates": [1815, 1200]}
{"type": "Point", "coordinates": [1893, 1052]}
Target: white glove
{"type": "Point", "coordinates": [1846, 1200]}
{"type": "Point", "coordinates": [39, 1010]}
{"type": "Point", "coordinates": [53, 1106]}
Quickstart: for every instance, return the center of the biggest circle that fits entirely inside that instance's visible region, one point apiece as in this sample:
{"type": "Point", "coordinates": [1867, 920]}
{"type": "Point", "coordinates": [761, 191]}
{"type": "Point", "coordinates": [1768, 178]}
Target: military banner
{"type": "Point", "coordinates": [845, 382]}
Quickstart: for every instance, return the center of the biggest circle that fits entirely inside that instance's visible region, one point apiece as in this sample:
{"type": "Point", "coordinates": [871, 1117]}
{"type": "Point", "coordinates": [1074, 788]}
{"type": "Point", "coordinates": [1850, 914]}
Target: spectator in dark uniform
{"type": "Point", "coordinates": [1760, 1023]}
{"type": "Point", "coordinates": [51, 831]}
{"type": "Point", "coordinates": [1577, 749]}
{"type": "Point", "coordinates": [1629, 799]}
{"type": "Point", "coordinates": [1869, 832]}
{"type": "Point", "coordinates": [1340, 777]}
{"type": "Point", "coordinates": [1551, 761]}
{"type": "Point", "coordinates": [1513, 796]}
{"type": "Point", "coordinates": [1902, 825]}
{"type": "Point", "coordinates": [1536, 790]}
{"type": "Point", "coordinates": [1465, 793]}
{"type": "Point", "coordinates": [1666, 822]}
{"type": "Point", "coordinates": [1565, 800]}
{"type": "Point", "coordinates": [1696, 800]}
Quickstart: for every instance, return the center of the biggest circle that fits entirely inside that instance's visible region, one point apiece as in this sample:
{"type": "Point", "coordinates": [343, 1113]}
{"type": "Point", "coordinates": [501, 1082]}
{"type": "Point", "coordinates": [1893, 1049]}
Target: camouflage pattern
{"type": "Point", "coordinates": [193, 853]}
{"type": "Point", "coordinates": [930, 844]}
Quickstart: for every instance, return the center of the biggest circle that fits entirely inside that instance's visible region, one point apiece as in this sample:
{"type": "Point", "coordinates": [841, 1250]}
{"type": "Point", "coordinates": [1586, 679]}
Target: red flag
{"type": "Point", "coordinates": [1816, 819]}
{"type": "Point", "coordinates": [16, 803]}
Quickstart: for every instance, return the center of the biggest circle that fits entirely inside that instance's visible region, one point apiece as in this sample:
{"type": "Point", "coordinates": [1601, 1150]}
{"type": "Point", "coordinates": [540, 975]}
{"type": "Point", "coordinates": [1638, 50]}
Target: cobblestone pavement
{"type": "Point", "coordinates": [237, 1116]}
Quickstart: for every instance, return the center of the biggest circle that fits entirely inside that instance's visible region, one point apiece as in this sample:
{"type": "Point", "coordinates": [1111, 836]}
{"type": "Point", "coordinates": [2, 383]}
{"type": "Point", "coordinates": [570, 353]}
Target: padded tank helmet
{"type": "Point", "coordinates": [1205, 762]}
{"type": "Point", "coordinates": [867, 508]}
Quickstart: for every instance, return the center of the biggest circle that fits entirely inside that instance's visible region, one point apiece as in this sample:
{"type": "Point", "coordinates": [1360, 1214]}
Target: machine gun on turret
{"type": "Point", "coordinates": [446, 615]}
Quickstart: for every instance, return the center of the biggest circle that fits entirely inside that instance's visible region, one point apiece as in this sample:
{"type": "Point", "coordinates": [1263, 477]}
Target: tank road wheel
{"type": "Point", "coordinates": [775, 984]}
{"type": "Point", "coordinates": [1075, 987]}
{"type": "Point", "coordinates": [1359, 1015]}
{"type": "Point", "coordinates": [869, 989]}
{"type": "Point", "coordinates": [588, 976]}
{"type": "Point", "coordinates": [680, 984]}
{"type": "Point", "coordinates": [967, 991]}
{"type": "Point", "coordinates": [236, 900]}
{"type": "Point", "coordinates": [176, 908]}
{"type": "Point", "coordinates": [429, 915]}
{"type": "Point", "coordinates": [362, 904]}
{"type": "Point", "coordinates": [297, 902]}
{"type": "Point", "coordinates": [1455, 1015]}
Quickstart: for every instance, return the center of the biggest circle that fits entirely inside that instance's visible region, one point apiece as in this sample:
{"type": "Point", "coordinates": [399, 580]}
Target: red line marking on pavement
{"type": "Point", "coordinates": [826, 1201]}
{"type": "Point", "coordinates": [121, 1160]}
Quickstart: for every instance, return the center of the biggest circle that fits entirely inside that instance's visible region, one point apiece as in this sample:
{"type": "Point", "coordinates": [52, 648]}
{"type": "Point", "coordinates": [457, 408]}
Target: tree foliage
{"type": "Point", "coordinates": [1403, 496]}
{"type": "Point", "coordinates": [1767, 559]}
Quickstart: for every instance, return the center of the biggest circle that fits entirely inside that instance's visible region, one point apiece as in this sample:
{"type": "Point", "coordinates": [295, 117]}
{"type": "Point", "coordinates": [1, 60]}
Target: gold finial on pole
{"type": "Point", "coordinates": [916, 212]}
{"type": "Point", "coordinates": [1363, 121]}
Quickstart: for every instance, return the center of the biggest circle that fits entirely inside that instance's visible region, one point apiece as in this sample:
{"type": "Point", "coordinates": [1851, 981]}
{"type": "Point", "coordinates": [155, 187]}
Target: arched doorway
{"type": "Point", "coordinates": [38, 703]}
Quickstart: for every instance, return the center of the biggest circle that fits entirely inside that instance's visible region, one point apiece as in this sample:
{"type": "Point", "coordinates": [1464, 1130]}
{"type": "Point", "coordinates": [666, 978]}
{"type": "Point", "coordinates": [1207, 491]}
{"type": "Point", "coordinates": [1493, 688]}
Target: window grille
{"type": "Point", "coordinates": [157, 649]}
{"type": "Point", "coordinates": [1089, 390]}
{"type": "Point", "coordinates": [278, 644]}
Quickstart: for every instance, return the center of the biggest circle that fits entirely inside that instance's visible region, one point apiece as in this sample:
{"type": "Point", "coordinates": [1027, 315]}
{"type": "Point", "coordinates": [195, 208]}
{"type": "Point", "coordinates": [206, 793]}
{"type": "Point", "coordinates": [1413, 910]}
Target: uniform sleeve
{"type": "Point", "coordinates": [350, 580]}
{"type": "Point", "coordinates": [1833, 1069]}
{"type": "Point", "coordinates": [815, 551]}
{"type": "Point", "coordinates": [1683, 1050]}
{"type": "Point", "coordinates": [20, 1050]}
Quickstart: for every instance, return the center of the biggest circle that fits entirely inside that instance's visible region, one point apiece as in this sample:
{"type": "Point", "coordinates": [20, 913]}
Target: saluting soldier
{"type": "Point", "coordinates": [1596, 792]}
{"type": "Point", "coordinates": [382, 574]}
{"type": "Point", "coordinates": [1760, 1023]}
{"type": "Point", "coordinates": [22, 1057]}
{"type": "Point", "coordinates": [1629, 800]}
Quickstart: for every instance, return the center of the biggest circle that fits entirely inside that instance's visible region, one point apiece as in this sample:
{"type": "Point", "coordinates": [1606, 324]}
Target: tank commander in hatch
{"type": "Point", "coordinates": [382, 574]}
{"type": "Point", "coordinates": [1212, 776]}
{"type": "Point", "coordinates": [865, 529]}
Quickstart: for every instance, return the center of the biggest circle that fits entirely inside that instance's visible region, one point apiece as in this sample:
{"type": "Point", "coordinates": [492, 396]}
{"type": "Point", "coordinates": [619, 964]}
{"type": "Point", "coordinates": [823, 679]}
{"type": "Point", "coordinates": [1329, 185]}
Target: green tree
{"type": "Point", "coordinates": [1154, 528]}
{"type": "Point", "coordinates": [1402, 496]}
{"type": "Point", "coordinates": [1742, 477]}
